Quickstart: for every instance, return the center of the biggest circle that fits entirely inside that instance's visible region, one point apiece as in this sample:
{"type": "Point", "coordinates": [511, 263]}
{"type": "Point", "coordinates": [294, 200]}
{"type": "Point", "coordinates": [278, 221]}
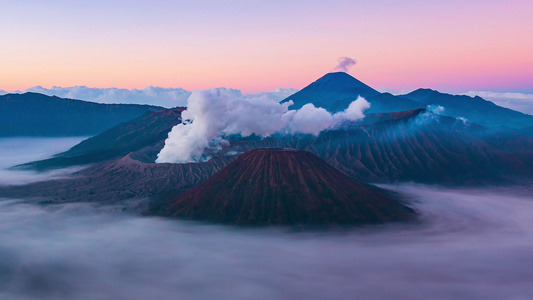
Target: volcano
{"type": "Point", "coordinates": [335, 91]}
{"type": "Point", "coordinates": [274, 186]}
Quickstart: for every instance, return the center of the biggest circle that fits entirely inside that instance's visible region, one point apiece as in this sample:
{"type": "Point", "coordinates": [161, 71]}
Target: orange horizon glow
{"type": "Point", "coordinates": [255, 47]}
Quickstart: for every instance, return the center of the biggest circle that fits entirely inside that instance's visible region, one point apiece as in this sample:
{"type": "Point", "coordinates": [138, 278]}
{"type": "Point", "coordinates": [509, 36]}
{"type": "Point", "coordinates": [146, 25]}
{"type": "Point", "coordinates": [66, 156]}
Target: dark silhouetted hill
{"type": "Point", "coordinates": [474, 109]}
{"type": "Point", "coordinates": [150, 129]}
{"type": "Point", "coordinates": [32, 114]}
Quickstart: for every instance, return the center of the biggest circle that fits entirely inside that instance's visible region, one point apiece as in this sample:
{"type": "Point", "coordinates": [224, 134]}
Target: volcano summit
{"type": "Point", "coordinates": [274, 186]}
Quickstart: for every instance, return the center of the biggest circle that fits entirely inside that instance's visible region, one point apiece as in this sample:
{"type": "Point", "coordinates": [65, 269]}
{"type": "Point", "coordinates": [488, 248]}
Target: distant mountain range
{"type": "Point", "coordinates": [32, 114]}
{"type": "Point", "coordinates": [409, 146]}
{"type": "Point", "coordinates": [393, 145]}
{"type": "Point", "coordinates": [335, 91]}
{"type": "Point", "coordinates": [369, 151]}
{"type": "Point", "coordinates": [474, 109]}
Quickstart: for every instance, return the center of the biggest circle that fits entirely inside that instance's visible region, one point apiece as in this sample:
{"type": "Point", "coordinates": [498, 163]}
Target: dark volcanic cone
{"type": "Point", "coordinates": [276, 186]}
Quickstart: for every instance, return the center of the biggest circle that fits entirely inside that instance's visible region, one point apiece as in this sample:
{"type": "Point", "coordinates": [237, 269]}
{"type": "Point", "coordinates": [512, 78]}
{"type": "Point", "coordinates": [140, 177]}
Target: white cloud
{"type": "Point", "coordinates": [218, 112]}
{"type": "Point", "coordinates": [166, 97]}
{"type": "Point", "coordinates": [277, 94]}
{"type": "Point", "coordinates": [518, 101]}
{"type": "Point", "coordinates": [394, 92]}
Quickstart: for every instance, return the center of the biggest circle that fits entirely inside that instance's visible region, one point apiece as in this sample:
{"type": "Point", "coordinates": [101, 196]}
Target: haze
{"type": "Point", "coordinates": [15, 151]}
{"type": "Point", "coordinates": [471, 244]}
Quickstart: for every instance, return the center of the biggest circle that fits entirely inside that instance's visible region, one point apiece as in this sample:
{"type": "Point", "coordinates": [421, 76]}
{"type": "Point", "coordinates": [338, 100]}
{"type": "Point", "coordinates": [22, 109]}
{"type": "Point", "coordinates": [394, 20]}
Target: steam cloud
{"type": "Point", "coordinates": [431, 114]}
{"type": "Point", "coordinates": [212, 114]}
{"type": "Point", "coordinates": [345, 63]}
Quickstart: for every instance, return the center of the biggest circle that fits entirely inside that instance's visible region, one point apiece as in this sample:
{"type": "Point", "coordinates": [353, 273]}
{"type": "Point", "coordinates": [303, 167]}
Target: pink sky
{"type": "Point", "coordinates": [262, 45]}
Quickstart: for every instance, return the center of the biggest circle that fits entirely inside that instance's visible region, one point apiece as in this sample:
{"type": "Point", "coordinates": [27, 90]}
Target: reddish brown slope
{"type": "Point", "coordinates": [285, 187]}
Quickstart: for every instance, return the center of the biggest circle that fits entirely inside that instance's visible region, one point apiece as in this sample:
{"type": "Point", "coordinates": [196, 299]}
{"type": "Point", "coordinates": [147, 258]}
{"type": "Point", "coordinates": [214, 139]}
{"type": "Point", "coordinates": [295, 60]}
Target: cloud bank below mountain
{"type": "Point", "coordinates": [517, 101]}
{"type": "Point", "coordinates": [165, 97]}
{"type": "Point", "coordinates": [471, 244]}
{"type": "Point", "coordinates": [20, 150]}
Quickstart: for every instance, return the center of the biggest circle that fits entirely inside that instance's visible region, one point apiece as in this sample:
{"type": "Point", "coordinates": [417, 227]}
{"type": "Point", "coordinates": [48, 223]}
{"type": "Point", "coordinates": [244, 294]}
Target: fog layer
{"type": "Point", "coordinates": [470, 244]}
{"type": "Point", "coordinates": [15, 151]}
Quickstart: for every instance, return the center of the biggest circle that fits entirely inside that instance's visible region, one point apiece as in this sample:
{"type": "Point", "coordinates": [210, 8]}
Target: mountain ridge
{"type": "Point", "coordinates": [413, 146]}
{"type": "Point", "coordinates": [475, 109]}
{"type": "Point", "coordinates": [33, 114]}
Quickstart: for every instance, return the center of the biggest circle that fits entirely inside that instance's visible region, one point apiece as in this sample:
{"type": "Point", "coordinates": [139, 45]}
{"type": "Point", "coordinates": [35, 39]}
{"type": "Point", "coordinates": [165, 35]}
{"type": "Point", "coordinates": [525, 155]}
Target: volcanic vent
{"type": "Point", "coordinates": [274, 186]}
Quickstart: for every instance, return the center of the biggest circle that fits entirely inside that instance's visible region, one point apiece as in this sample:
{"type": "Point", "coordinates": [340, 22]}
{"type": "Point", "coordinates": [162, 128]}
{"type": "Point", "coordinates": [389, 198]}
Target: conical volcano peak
{"type": "Point", "coordinates": [340, 81]}
{"type": "Point", "coordinates": [333, 91]}
{"type": "Point", "coordinates": [274, 186]}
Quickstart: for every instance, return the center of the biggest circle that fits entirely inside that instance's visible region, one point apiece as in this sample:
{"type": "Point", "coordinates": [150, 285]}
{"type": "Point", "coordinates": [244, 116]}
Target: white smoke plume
{"type": "Point", "coordinates": [345, 63]}
{"type": "Point", "coordinates": [431, 114]}
{"type": "Point", "coordinates": [212, 114]}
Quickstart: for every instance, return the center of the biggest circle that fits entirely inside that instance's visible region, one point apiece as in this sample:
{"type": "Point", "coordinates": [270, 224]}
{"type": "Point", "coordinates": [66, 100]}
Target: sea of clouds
{"type": "Point", "coordinates": [19, 150]}
{"type": "Point", "coordinates": [469, 244]}
{"type": "Point", "coordinates": [159, 96]}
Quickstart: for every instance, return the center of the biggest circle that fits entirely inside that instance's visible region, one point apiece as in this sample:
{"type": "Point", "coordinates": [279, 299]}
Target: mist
{"type": "Point", "coordinates": [469, 244]}
{"type": "Point", "coordinates": [20, 150]}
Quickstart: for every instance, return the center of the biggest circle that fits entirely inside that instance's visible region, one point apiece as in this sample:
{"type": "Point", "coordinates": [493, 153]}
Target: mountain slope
{"type": "Point", "coordinates": [335, 91]}
{"type": "Point", "coordinates": [386, 102]}
{"type": "Point", "coordinates": [475, 109]}
{"type": "Point", "coordinates": [285, 187]}
{"type": "Point", "coordinates": [32, 114]}
{"type": "Point", "coordinates": [145, 131]}
{"type": "Point", "coordinates": [411, 146]}
{"type": "Point", "coordinates": [415, 146]}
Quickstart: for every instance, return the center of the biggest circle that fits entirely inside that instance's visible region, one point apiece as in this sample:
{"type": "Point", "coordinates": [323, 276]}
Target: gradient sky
{"type": "Point", "coordinates": [262, 45]}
